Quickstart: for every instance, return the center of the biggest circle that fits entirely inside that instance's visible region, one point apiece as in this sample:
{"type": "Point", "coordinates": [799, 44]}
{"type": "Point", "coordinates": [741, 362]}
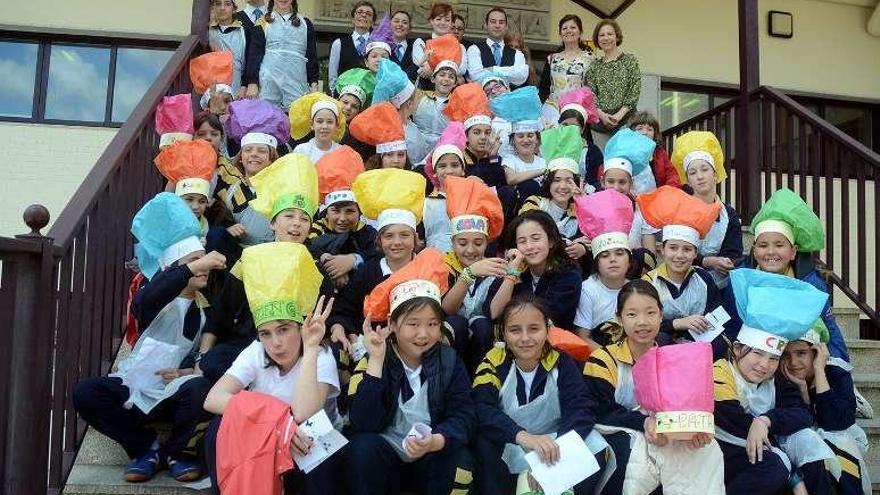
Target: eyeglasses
{"type": "Point", "coordinates": [458, 29]}
{"type": "Point", "coordinates": [364, 12]}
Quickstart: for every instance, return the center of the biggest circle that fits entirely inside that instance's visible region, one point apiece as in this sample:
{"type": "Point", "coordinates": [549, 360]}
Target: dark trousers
{"type": "Point", "coordinates": [320, 481]}
{"type": "Point", "coordinates": [744, 478]}
{"type": "Point", "coordinates": [215, 363]}
{"type": "Point", "coordinates": [476, 339]}
{"type": "Point", "coordinates": [493, 476]}
{"type": "Point", "coordinates": [376, 469]}
{"type": "Point", "coordinates": [100, 403]}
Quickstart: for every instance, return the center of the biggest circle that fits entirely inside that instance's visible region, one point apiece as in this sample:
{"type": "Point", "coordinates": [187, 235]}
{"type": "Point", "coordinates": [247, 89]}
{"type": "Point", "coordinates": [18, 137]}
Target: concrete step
{"type": "Point", "coordinates": [864, 355]}
{"type": "Point", "coordinates": [848, 320]}
{"type": "Point", "coordinates": [98, 450]}
{"type": "Point", "coordinates": [107, 480]}
{"type": "Point", "coordinates": [869, 385]}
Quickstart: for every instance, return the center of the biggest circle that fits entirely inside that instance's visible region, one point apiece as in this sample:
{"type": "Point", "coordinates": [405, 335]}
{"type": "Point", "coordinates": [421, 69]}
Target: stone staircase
{"type": "Point", "coordinates": [98, 467]}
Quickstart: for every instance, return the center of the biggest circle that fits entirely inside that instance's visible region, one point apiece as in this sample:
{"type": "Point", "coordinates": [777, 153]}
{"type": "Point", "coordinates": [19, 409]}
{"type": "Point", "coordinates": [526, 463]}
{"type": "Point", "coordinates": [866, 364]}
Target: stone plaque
{"type": "Point", "coordinates": [529, 17]}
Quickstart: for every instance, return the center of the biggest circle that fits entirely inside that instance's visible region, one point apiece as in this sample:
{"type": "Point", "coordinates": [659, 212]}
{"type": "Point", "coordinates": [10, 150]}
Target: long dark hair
{"type": "Point", "coordinates": [544, 190]}
{"type": "Point", "coordinates": [557, 258]}
{"type": "Point", "coordinates": [637, 286]}
{"type": "Point", "coordinates": [294, 18]}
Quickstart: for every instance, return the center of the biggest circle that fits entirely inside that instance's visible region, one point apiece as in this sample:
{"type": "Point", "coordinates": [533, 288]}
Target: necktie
{"type": "Point", "coordinates": [257, 14]}
{"type": "Point", "coordinates": [361, 45]}
{"type": "Point", "coordinates": [496, 52]}
{"type": "Point", "coordinates": [400, 53]}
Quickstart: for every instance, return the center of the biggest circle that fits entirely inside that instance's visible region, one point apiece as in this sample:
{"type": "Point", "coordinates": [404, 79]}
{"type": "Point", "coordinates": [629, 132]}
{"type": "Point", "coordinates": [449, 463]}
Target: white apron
{"type": "Point", "coordinates": [541, 416]}
{"type": "Point", "coordinates": [162, 345]}
{"type": "Point", "coordinates": [283, 71]}
{"type": "Point", "coordinates": [232, 41]}
{"type": "Point", "coordinates": [438, 227]}
{"type": "Point", "coordinates": [429, 118]}
{"type": "Point", "coordinates": [690, 302]}
{"type": "Point", "coordinates": [413, 411]}
{"type": "Point", "coordinates": [566, 224]}
{"type": "Point", "coordinates": [711, 244]}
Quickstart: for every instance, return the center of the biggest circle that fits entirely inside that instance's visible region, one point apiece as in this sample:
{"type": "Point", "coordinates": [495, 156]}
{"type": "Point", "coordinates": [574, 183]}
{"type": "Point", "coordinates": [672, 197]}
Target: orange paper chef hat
{"type": "Point", "coordinates": [680, 215]}
{"type": "Point", "coordinates": [445, 51]}
{"type": "Point", "coordinates": [210, 69]}
{"type": "Point", "coordinates": [424, 276]}
{"type": "Point", "coordinates": [381, 126]}
{"type": "Point", "coordinates": [336, 172]}
{"type": "Point", "coordinates": [468, 104]}
{"type": "Point", "coordinates": [189, 164]}
{"type": "Point", "coordinates": [473, 207]}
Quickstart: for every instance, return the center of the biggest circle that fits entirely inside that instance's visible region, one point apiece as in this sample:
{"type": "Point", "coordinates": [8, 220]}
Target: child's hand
{"type": "Point", "coordinates": [416, 448]}
{"type": "Point", "coordinates": [697, 323]}
{"type": "Point", "coordinates": [337, 334]}
{"type": "Point", "coordinates": [207, 263]}
{"type": "Point", "coordinates": [238, 231]}
{"type": "Point", "coordinates": [494, 143]}
{"type": "Point", "coordinates": [338, 265]}
{"type": "Point", "coordinates": [699, 440]}
{"type": "Point", "coordinates": [301, 443]}
{"type": "Point", "coordinates": [514, 258]}
{"type": "Point", "coordinates": [546, 448]}
{"type": "Point", "coordinates": [821, 358]}
{"type": "Point", "coordinates": [489, 267]}
{"type": "Point", "coordinates": [314, 327]}
{"type": "Point", "coordinates": [253, 91]}
{"type": "Point", "coordinates": [375, 341]}
{"type": "Point", "coordinates": [651, 435]}
{"type": "Point", "coordinates": [169, 374]}
{"type": "Point", "coordinates": [575, 250]}
{"type": "Point", "coordinates": [758, 439]}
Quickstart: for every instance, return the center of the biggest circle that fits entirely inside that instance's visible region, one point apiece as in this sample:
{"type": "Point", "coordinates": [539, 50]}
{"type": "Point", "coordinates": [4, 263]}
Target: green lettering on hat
{"type": "Point", "coordinates": [276, 310]}
{"type": "Point", "coordinates": [295, 201]}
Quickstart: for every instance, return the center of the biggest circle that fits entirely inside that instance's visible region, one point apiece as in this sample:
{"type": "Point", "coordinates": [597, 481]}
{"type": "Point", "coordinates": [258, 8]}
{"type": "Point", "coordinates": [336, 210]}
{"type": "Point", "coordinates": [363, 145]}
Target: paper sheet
{"type": "Point", "coordinates": [152, 356]}
{"type": "Point", "coordinates": [325, 441]}
{"type": "Point", "coordinates": [576, 464]}
{"type": "Point", "coordinates": [717, 319]}
{"type": "Point", "coordinates": [418, 431]}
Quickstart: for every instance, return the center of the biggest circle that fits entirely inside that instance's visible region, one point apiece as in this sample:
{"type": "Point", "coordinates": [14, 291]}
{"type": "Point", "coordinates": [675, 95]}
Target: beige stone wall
{"type": "Point", "coordinates": [44, 164]}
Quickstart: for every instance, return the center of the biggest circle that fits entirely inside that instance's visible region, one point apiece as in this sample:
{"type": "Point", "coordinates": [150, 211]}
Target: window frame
{"type": "Point", "coordinates": [45, 41]}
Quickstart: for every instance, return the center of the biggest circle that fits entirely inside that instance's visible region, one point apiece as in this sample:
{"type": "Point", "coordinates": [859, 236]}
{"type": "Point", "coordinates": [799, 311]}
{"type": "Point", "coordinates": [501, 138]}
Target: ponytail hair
{"type": "Point", "coordinates": [294, 18]}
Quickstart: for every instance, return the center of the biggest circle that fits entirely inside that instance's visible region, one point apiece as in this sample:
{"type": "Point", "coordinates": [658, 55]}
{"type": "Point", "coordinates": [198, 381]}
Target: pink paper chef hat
{"type": "Point", "coordinates": [675, 384]}
{"type": "Point", "coordinates": [453, 140]}
{"type": "Point", "coordinates": [606, 218]}
{"type": "Point", "coordinates": [583, 101]}
{"type": "Point", "coordinates": [174, 119]}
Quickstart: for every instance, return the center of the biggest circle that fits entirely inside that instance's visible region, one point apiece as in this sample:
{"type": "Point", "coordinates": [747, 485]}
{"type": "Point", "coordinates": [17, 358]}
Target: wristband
{"type": "Point", "coordinates": [513, 272]}
{"type": "Point", "coordinates": [512, 278]}
{"type": "Point", "coordinates": [468, 275]}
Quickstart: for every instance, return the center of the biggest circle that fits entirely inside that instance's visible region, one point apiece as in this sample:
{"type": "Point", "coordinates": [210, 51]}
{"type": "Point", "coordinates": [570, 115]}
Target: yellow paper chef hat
{"type": "Point", "coordinates": [289, 182]}
{"type": "Point", "coordinates": [304, 108]}
{"type": "Point", "coordinates": [391, 196]}
{"type": "Point", "coordinates": [698, 145]}
{"type": "Point", "coordinates": [280, 280]}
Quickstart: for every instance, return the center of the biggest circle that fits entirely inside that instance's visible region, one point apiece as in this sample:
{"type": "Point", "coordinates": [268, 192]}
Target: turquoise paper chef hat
{"type": "Point", "coordinates": [520, 107]}
{"type": "Point", "coordinates": [775, 309]}
{"type": "Point", "coordinates": [166, 230]}
{"type": "Point", "coordinates": [392, 84]}
{"type": "Point", "coordinates": [629, 150]}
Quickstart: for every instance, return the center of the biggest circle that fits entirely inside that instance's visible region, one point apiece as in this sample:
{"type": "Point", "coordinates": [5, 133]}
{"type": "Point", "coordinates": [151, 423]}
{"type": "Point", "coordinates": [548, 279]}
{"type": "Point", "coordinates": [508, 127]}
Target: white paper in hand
{"type": "Point", "coordinates": [717, 319]}
{"type": "Point", "coordinates": [576, 463]}
{"type": "Point", "coordinates": [325, 441]}
{"type": "Point", "coordinates": [152, 356]}
{"type": "Point", "coordinates": [418, 431]}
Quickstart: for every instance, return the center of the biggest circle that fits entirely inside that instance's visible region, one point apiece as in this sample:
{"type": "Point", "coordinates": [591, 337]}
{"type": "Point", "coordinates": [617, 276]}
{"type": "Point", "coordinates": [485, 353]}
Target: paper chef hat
{"type": "Point", "coordinates": [605, 217]}
{"type": "Point", "coordinates": [337, 171]}
{"type": "Point", "coordinates": [266, 123]}
{"type": "Point", "coordinates": [698, 145]}
{"type": "Point", "coordinates": [775, 309]}
{"type": "Point", "coordinates": [680, 215]}
{"type": "Point", "coordinates": [381, 126]}
{"type": "Point", "coordinates": [452, 141]}
{"type": "Point", "coordinates": [174, 119]}
{"type": "Point", "coordinates": [425, 276]}
{"type": "Point", "coordinates": [787, 214]}
{"type": "Point", "coordinates": [445, 51]}
{"type": "Point", "coordinates": [281, 281]}
{"type": "Point", "coordinates": [289, 182]}
{"type": "Point", "coordinates": [357, 82]}
{"type": "Point", "coordinates": [490, 76]}
{"type": "Point", "coordinates": [209, 69]}
{"type": "Point", "coordinates": [561, 147]}
{"type": "Point", "coordinates": [521, 107]}
{"type": "Point", "coordinates": [675, 383]}
{"type": "Point", "coordinates": [473, 207]}
{"type": "Point", "coordinates": [469, 105]}
{"type": "Point", "coordinates": [392, 84]}
{"type": "Point", "coordinates": [583, 101]}
{"type": "Point", "coordinates": [629, 150]}
{"type": "Point", "coordinates": [304, 108]}
{"type": "Point", "coordinates": [166, 231]}
{"type": "Point", "coordinates": [391, 196]}
{"type": "Point", "coordinates": [190, 165]}
{"type": "Point", "coordinates": [382, 37]}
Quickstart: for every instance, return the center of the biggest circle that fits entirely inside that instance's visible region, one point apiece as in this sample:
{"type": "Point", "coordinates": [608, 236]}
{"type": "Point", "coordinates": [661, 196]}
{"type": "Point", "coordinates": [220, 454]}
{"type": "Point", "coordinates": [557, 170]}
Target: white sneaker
{"type": "Point", "coordinates": [863, 407]}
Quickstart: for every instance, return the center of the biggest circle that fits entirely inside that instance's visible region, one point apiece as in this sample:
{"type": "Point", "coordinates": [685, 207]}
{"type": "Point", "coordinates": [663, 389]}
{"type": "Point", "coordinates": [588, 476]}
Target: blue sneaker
{"type": "Point", "coordinates": [143, 468]}
{"type": "Point", "coordinates": [183, 470]}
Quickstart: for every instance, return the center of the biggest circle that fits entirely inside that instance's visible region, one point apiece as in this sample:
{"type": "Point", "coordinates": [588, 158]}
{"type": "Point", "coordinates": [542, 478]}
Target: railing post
{"type": "Point", "coordinates": [748, 171]}
{"type": "Point", "coordinates": [27, 446]}
{"type": "Point", "coordinates": [201, 17]}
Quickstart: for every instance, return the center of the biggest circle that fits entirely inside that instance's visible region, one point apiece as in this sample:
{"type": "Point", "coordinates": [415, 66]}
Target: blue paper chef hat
{"type": "Point", "coordinates": [491, 75]}
{"type": "Point", "coordinates": [629, 150]}
{"type": "Point", "coordinates": [392, 84]}
{"type": "Point", "coordinates": [775, 309]}
{"type": "Point", "coordinates": [166, 230]}
{"type": "Point", "coordinates": [520, 107]}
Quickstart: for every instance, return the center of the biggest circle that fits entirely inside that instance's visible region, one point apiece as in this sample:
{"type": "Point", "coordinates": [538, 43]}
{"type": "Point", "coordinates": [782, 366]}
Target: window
{"type": "Point", "coordinates": [678, 106]}
{"type": "Point", "coordinates": [65, 81]}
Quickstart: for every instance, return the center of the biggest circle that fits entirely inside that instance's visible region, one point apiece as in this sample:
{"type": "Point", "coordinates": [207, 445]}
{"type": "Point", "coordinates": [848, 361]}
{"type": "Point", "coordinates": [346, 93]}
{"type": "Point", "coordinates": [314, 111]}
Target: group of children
{"type": "Point", "coordinates": [377, 262]}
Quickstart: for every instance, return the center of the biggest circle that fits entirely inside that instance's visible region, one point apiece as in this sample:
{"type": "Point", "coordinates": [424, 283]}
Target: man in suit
{"type": "Point", "coordinates": [348, 51]}
{"type": "Point", "coordinates": [491, 54]}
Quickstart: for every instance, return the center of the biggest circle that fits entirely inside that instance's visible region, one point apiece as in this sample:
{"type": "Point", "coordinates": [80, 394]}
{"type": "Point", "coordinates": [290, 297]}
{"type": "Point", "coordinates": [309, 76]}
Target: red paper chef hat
{"type": "Point", "coordinates": [473, 207]}
{"type": "Point", "coordinates": [381, 126]}
{"type": "Point", "coordinates": [424, 276]}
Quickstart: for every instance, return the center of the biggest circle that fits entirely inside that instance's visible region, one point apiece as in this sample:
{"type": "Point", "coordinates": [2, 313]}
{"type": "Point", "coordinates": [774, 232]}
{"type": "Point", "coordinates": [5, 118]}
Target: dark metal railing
{"type": "Point", "coordinates": [63, 296]}
{"type": "Point", "coordinates": [832, 171]}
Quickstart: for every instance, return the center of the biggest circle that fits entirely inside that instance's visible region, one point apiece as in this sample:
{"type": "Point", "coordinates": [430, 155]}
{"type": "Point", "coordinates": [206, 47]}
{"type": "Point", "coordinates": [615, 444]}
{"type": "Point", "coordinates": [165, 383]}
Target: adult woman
{"type": "Point", "coordinates": [566, 69]}
{"type": "Point", "coordinates": [282, 56]}
{"type": "Point", "coordinates": [615, 79]}
{"type": "Point", "coordinates": [440, 18]}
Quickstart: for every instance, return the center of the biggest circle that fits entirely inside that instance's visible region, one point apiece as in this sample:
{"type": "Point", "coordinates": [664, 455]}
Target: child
{"type": "Point", "coordinates": [687, 292]}
{"type": "Point", "coordinates": [526, 394]}
{"type": "Point", "coordinates": [154, 383]}
{"type": "Point", "coordinates": [380, 126]}
{"type": "Point", "coordinates": [339, 239]}
{"type": "Point", "coordinates": [446, 161]}
{"type": "Point", "coordinates": [445, 59]}
{"type": "Point", "coordinates": [415, 380]}
{"type": "Point", "coordinates": [393, 200]}
{"type": "Point", "coordinates": [826, 385]}
{"type": "Point", "coordinates": [578, 109]}
{"type": "Point", "coordinates": [209, 127]}
{"type": "Point", "coordinates": [286, 361]}
{"type": "Point", "coordinates": [661, 167]}
{"type": "Point", "coordinates": [476, 220]}
{"type": "Point", "coordinates": [469, 105]}
{"type": "Point", "coordinates": [190, 165]}
{"type": "Point", "coordinates": [537, 264]}
{"type": "Point", "coordinates": [283, 56]}
{"type": "Point", "coordinates": [645, 458]}
{"type": "Point", "coordinates": [216, 100]}
{"type": "Point", "coordinates": [522, 167]}
{"type": "Point", "coordinates": [323, 116]}
{"type": "Point", "coordinates": [393, 85]}
{"type": "Point", "coordinates": [605, 218]}
{"type": "Point", "coordinates": [757, 414]}
{"type": "Point", "coordinates": [228, 34]}
{"type": "Point", "coordinates": [495, 85]}
{"type": "Point", "coordinates": [380, 45]}
{"type": "Point", "coordinates": [699, 160]}
{"type": "Point", "coordinates": [355, 88]}
{"type": "Point", "coordinates": [174, 119]}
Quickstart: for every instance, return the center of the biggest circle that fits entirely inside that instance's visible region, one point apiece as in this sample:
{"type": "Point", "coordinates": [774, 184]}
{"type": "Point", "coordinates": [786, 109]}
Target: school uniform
{"type": "Point", "coordinates": [724, 239]}
{"type": "Point", "coordinates": [429, 118]}
{"type": "Point", "coordinates": [566, 220]}
{"type": "Point", "coordinates": [346, 52]}
{"type": "Point", "coordinates": [236, 193]}
{"type": "Point", "coordinates": [558, 289]}
{"type": "Point", "coordinates": [123, 404]}
{"type": "Point", "coordinates": [283, 57]}
{"type": "Point", "coordinates": [233, 38]}
{"type": "Point", "coordinates": [471, 320]}
{"type": "Point", "coordinates": [311, 150]}
{"type": "Point", "coordinates": [438, 229]}
{"type": "Point", "coordinates": [549, 400]}
{"type": "Point", "coordinates": [348, 308]}
{"type": "Point", "coordinates": [489, 54]}
{"type": "Point", "coordinates": [596, 311]}
{"type": "Point", "coordinates": [516, 164]}
{"type": "Point", "coordinates": [590, 163]}
{"type": "Point", "coordinates": [639, 467]}
{"type": "Point", "coordinates": [383, 410]}
{"type": "Point", "coordinates": [250, 14]}
{"type": "Point", "coordinates": [491, 172]}
{"type": "Point", "coordinates": [361, 241]}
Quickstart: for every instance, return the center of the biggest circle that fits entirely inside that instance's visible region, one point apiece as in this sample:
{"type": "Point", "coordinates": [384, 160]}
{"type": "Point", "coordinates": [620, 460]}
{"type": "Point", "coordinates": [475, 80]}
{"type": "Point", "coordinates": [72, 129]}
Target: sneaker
{"type": "Point", "coordinates": [143, 468]}
{"type": "Point", "coordinates": [863, 407]}
{"type": "Point", "coordinates": [183, 470]}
